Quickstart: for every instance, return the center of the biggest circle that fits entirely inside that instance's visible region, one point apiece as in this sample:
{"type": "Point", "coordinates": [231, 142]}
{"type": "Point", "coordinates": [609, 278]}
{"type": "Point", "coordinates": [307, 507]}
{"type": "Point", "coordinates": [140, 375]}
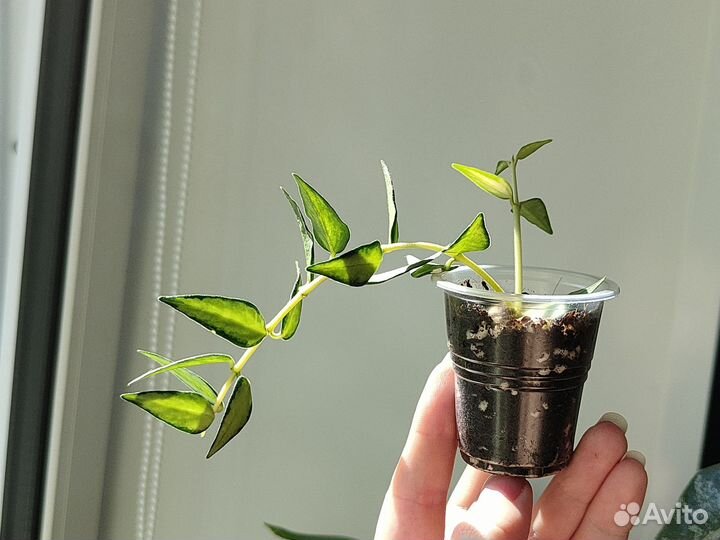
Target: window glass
{"type": "Point", "coordinates": [20, 40]}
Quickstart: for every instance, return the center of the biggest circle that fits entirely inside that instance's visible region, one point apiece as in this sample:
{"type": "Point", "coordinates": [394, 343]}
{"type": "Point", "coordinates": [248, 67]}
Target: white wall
{"type": "Point", "coordinates": [327, 89]}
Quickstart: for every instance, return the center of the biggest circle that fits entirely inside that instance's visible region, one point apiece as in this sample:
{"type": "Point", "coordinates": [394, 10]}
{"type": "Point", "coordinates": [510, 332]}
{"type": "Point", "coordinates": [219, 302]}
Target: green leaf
{"type": "Point", "coordinates": [592, 288]}
{"type": "Point", "coordinates": [238, 321]}
{"type": "Point", "coordinates": [281, 532]}
{"type": "Point", "coordinates": [702, 493]}
{"type": "Point", "coordinates": [330, 231]}
{"type": "Point", "coordinates": [474, 238]}
{"type": "Point", "coordinates": [236, 416]}
{"type": "Point", "coordinates": [394, 231]}
{"type": "Point", "coordinates": [531, 148]}
{"type": "Point", "coordinates": [291, 321]}
{"type": "Point", "coordinates": [493, 184]}
{"type": "Point", "coordinates": [535, 212]}
{"type": "Point", "coordinates": [305, 234]}
{"type": "Point", "coordinates": [392, 274]}
{"type": "Point", "coordinates": [501, 166]}
{"type": "Point", "coordinates": [429, 268]}
{"type": "Point", "coordinates": [354, 268]}
{"type": "Point", "coordinates": [189, 378]}
{"type": "Point", "coordinates": [186, 411]}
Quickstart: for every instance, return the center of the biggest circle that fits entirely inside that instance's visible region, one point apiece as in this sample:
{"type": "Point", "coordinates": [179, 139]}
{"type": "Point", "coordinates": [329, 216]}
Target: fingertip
{"type": "Point", "coordinates": [446, 363]}
{"type": "Point", "coordinates": [637, 456]}
{"type": "Point", "coordinates": [615, 418]}
{"type": "Point", "coordinates": [468, 487]}
{"type": "Point", "coordinates": [509, 487]}
{"type": "Point", "coordinates": [439, 378]}
{"type": "Point", "coordinates": [604, 441]}
{"type": "Point", "coordinates": [439, 390]}
{"type": "Point", "coordinates": [502, 511]}
{"type": "Point", "coordinates": [633, 471]}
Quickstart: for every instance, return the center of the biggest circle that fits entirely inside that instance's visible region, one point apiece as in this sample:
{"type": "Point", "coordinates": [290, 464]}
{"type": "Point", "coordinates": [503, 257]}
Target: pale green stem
{"type": "Point", "coordinates": [299, 296]}
{"type": "Point", "coordinates": [224, 390]}
{"type": "Point", "coordinates": [302, 293]}
{"type": "Point", "coordinates": [517, 236]}
{"type": "Point", "coordinates": [397, 246]}
{"type": "Point", "coordinates": [306, 289]}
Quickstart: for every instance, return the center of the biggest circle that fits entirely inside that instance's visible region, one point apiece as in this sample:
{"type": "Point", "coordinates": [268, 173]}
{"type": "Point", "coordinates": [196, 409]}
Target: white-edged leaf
{"type": "Point", "coordinates": [186, 376]}
{"type": "Point", "coordinates": [200, 360]}
{"type": "Point", "coordinates": [291, 321]}
{"type": "Point", "coordinates": [238, 321]}
{"type": "Point", "coordinates": [305, 234]}
{"type": "Point", "coordinates": [396, 272]}
{"type": "Point", "coordinates": [430, 268]}
{"type": "Point", "coordinates": [186, 411]}
{"type": "Point", "coordinates": [393, 229]}
{"type": "Point", "coordinates": [590, 289]}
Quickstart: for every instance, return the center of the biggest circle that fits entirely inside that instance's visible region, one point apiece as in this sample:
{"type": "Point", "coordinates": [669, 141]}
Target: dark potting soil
{"type": "Point", "coordinates": [519, 383]}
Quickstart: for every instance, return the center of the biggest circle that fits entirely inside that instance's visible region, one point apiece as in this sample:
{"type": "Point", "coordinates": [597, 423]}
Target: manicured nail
{"type": "Point", "coordinates": [637, 456]}
{"type": "Point", "coordinates": [615, 418]}
{"type": "Point", "coordinates": [509, 487]}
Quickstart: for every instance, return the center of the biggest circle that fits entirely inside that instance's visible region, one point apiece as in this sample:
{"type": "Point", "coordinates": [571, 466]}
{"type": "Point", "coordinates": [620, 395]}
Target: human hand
{"type": "Point", "coordinates": [578, 504]}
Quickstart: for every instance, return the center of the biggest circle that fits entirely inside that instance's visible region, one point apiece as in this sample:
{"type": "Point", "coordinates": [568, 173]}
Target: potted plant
{"type": "Point", "coordinates": [521, 338]}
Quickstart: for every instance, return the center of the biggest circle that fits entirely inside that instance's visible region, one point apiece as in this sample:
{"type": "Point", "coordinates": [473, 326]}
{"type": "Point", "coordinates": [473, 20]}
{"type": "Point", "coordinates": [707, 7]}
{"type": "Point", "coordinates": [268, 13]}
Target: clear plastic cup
{"type": "Point", "coordinates": [520, 362]}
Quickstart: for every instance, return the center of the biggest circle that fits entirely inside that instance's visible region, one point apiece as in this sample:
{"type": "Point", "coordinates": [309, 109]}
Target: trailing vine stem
{"type": "Point", "coordinates": [304, 291]}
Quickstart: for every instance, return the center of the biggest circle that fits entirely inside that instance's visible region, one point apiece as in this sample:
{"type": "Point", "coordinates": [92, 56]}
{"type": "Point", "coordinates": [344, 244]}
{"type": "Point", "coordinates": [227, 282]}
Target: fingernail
{"type": "Point", "coordinates": [509, 487]}
{"type": "Point", "coordinates": [637, 456]}
{"type": "Point", "coordinates": [615, 418]}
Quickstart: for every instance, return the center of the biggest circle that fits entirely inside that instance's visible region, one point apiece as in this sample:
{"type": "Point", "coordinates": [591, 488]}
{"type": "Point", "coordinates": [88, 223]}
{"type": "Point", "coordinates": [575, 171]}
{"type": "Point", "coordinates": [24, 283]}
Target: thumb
{"type": "Point", "coordinates": [502, 511]}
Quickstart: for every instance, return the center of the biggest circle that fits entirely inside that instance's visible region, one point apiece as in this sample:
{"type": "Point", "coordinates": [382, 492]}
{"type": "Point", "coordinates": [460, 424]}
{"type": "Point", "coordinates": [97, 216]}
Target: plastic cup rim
{"type": "Point", "coordinates": [608, 290]}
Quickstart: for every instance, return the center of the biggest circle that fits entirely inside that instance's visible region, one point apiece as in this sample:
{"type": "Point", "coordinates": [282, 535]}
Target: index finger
{"type": "Point", "coordinates": [414, 506]}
